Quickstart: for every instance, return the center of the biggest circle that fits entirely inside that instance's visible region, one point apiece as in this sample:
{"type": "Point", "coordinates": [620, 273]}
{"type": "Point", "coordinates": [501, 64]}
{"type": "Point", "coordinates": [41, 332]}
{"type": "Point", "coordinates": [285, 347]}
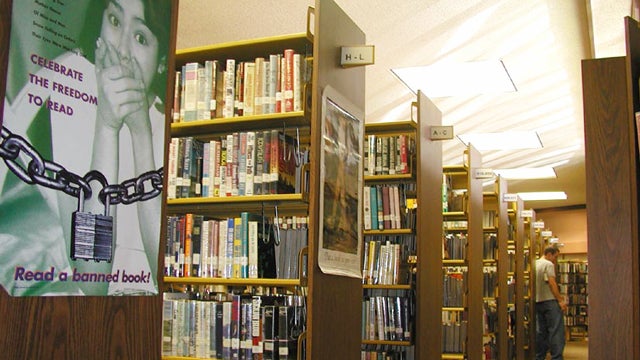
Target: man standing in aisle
{"type": "Point", "coordinates": [549, 307]}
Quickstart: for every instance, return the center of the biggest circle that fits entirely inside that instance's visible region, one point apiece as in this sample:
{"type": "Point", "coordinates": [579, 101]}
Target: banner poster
{"type": "Point", "coordinates": [341, 173]}
{"type": "Point", "coordinates": [82, 147]}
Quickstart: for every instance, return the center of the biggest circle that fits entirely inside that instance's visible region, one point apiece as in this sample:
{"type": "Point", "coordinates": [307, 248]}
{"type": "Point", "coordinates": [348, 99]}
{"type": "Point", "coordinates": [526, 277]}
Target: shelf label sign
{"type": "Point", "coordinates": [509, 197]}
{"type": "Point", "coordinates": [526, 213]}
{"type": "Point", "coordinates": [483, 174]}
{"type": "Point", "coordinates": [357, 55]}
{"type": "Point", "coordinates": [538, 224]}
{"type": "Point", "coordinates": [546, 233]}
{"type": "Point", "coordinates": [441, 133]}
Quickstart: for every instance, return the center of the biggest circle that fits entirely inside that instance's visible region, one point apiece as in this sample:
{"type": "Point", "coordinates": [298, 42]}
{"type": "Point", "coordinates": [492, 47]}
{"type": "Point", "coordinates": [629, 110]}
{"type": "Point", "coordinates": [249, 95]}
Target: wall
{"type": "Point", "coordinates": [569, 226]}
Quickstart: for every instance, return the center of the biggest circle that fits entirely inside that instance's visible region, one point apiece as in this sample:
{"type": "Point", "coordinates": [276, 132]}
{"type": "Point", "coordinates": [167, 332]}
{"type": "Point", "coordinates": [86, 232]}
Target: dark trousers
{"type": "Point", "coordinates": [549, 330]}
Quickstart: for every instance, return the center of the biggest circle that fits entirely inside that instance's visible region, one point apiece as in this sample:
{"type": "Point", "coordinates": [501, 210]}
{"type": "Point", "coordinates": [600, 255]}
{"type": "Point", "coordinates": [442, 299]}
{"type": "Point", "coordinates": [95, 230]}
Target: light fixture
{"type": "Point", "coordinates": [457, 79]}
{"type": "Point", "coordinates": [508, 140]}
{"type": "Point", "coordinates": [543, 195]}
{"type": "Point", "coordinates": [527, 173]}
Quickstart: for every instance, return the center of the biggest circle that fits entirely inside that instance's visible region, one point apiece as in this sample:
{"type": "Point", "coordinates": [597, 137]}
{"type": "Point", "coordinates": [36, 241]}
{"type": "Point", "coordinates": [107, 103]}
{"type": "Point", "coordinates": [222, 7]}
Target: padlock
{"type": "Point", "coordinates": [91, 234]}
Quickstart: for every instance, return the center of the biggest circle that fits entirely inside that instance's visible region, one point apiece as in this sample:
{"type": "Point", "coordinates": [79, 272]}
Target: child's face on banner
{"type": "Point", "coordinates": [124, 27]}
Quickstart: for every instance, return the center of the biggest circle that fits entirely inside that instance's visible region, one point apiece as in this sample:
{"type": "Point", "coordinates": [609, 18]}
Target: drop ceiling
{"type": "Point", "coordinates": [541, 43]}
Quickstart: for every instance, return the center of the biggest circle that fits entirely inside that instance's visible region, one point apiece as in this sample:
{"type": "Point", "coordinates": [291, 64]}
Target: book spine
{"type": "Point", "coordinates": [238, 105]}
{"type": "Point", "coordinates": [242, 163]}
{"type": "Point", "coordinates": [206, 170]}
{"type": "Point", "coordinates": [177, 93]}
{"type": "Point", "coordinates": [253, 248]}
{"type": "Point", "coordinates": [259, 163]}
{"type": "Point", "coordinates": [288, 80]}
{"type": "Point", "coordinates": [250, 162]}
{"type": "Point", "coordinates": [259, 86]}
{"type": "Point", "coordinates": [204, 92]}
{"type": "Point", "coordinates": [272, 81]}
{"type": "Point", "coordinates": [191, 91]}
{"type": "Point", "coordinates": [213, 103]}
{"type": "Point", "coordinates": [244, 245]}
{"type": "Point", "coordinates": [205, 262]}
{"type": "Point", "coordinates": [297, 83]}
{"type": "Point", "coordinates": [229, 88]}
{"type": "Point", "coordinates": [188, 250]}
{"type": "Point", "coordinates": [172, 168]}
{"type": "Point", "coordinates": [249, 88]}
{"type": "Point", "coordinates": [237, 248]}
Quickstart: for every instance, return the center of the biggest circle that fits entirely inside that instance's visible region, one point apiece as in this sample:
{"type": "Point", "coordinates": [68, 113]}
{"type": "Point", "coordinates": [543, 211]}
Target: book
{"type": "Point", "coordinates": [259, 163]}
{"type": "Point", "coordinates": [242, 163]}
{"type": "Point", "coordinates": [188, 243]}
{"type": "Point", "coordinates": [237, 248]}
{"type": "Point", "coordinates": [250, 163]}
{"type": "Point", "coordinates": [214, 73]}
{"type": "Point", "coordinates": [204, 93]}
{"type": "Point", "coordinates": [249, 88]}
{"type": "Point", "coordinates": [238, 105]}
{"type": "Point", "coordinates": [252, 236]}
{"type": "Point", "coordinates": [270, 330]}
{"type": "Point", "coordinates": [272, 83]}
{"type": "Point", "coordinates": [229, 88]}
{"type": "Point", "coordinates": [190, 87]}
{"type": "Point", "coordinates": [205, 185]}
{"type": "Point", "coordinates": [288, 81]}
{"type": "Point", "coordinates": [172, 168]}
{"type": "Point", "coordinates": [177, 94]}
{"type": "Point", "coordinates": [259, 86]}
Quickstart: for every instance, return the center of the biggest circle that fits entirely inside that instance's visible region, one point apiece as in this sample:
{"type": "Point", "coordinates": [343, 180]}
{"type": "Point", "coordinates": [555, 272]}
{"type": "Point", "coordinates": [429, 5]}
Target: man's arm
{"type": "Point", "coordinates": [556, 292]}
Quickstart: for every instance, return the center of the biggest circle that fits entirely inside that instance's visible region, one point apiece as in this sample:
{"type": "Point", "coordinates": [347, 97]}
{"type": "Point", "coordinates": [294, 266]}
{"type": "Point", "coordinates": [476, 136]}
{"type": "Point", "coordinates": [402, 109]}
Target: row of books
{"type": "Point", "coordinates": [227, 88]}
{"type": "Point", "coordinates": [489, 282]}
{"type": "Point", "coordinates": [240, 247]}
{"type": "Point", "coordinates": [454, 289]}
{"type": "Point", "coordinates": [385, 207]}
{"type": "Point", "coordinates": [454, 332]}
{"type": "Point", "coordinates": [388, 154]}
{"type": "Point", "coordinates": [236, 327]}
{"type": "Point", "coordinates": [489, 317]}
{"type": "Point", "coordinates": [240, 163]}
{"type": "Point", "coordinates": [489, 246]}
{"type": "Point", "coordinates": [385, 258]}
{"type": "Point", "coordinates": [573, 267]}
{"type": "Point", "coordinates": [385, 352]}
{"type": "Point", "coordinates": [455, 246]}
{"type": "Point", "coordinates": [387, 318]}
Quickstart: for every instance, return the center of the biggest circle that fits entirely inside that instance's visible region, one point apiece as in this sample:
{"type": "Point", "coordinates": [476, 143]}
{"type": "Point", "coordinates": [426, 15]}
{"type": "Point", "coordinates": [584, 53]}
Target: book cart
{"type": "Point", "coordinates": [320, 303]}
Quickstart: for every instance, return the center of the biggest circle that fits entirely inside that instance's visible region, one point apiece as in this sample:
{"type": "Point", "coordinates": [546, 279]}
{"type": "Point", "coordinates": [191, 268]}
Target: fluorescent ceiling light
{"type": "Point", "coordinates": [455, 79]}
{"type": "Point", "coordinates": [508, 140]}
{"type": "Point", "coordinates": [543, 195]}
{"type": "Point", "coordinates": [526, 173]}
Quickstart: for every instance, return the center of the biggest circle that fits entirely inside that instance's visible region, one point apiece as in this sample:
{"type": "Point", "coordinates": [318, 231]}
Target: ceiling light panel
{"type": "Point", "coordinates": [457, 79]}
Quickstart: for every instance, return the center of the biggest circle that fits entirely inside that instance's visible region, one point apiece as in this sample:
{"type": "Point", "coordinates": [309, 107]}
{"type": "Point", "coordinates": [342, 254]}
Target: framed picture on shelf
{"type": "Point", "coordinates": [341, 176]}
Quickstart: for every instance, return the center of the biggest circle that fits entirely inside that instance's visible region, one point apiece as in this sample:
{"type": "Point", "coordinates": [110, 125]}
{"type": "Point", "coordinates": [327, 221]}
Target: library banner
{"type": "Point", "coordinates": [341, 172]}
{"type": "Point", "coordinates": [82, 145]}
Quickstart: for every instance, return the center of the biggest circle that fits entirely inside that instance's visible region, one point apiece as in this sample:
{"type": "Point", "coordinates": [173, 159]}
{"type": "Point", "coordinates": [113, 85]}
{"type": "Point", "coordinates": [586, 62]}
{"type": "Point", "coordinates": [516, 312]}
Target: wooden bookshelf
{"type": "Point", "coordinates": [328, 28]}
{"type": "Point", "coordinates": [381, 173]}
{"type": "Point", "coordinates": [610, 97]}
{"type": "Point", "coordinates": [468, 209]}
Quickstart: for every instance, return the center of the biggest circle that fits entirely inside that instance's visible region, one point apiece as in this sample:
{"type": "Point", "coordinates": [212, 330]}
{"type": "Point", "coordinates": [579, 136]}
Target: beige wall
{"type": "Point", "coordinates": [570, 227]}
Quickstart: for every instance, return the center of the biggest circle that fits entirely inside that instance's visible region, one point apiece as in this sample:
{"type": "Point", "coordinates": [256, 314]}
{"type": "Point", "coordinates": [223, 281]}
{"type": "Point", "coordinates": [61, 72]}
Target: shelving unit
{"type": "Point", "coordinates": [573, 281]}
{"type": "Point", "coordinates": [462, 213]}
{"type": "Point", "coordinates": [497, 343]}
{"type": "Point", "coordinates": [611, 100]}
{"type": "Point", "coordinates": [390, 164]}
{"type": "Point", "coordinates": [328, 28]}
